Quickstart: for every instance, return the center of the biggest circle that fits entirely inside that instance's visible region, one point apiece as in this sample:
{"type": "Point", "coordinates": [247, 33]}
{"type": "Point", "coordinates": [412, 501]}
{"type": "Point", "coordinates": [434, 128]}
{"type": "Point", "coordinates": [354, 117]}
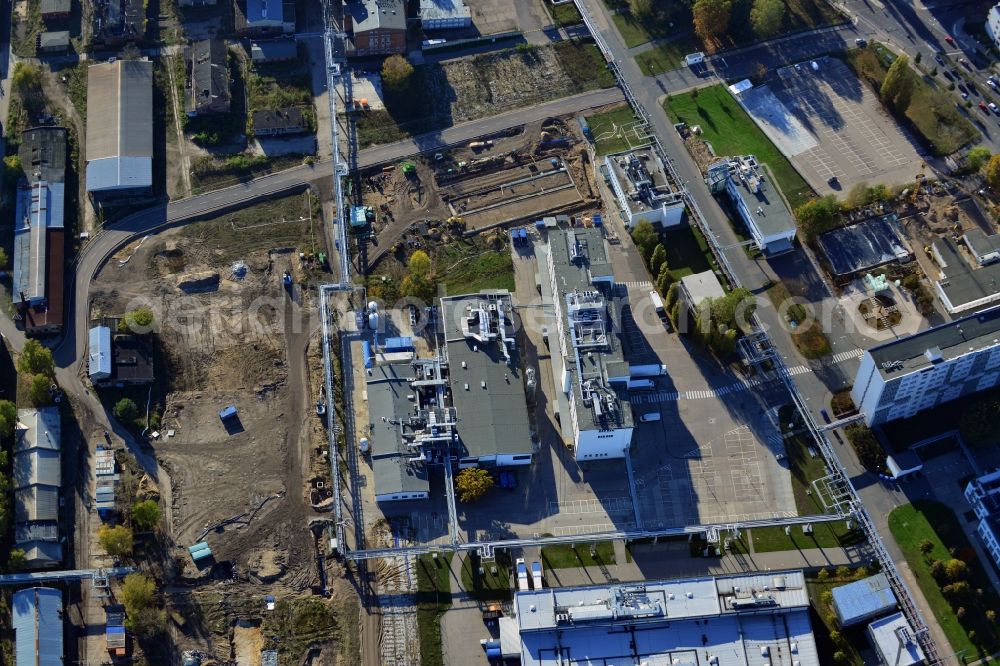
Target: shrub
{"type": "Point", "coordinates": [866, 446]}
{"type": "Point", "coordinates": [125, 410]}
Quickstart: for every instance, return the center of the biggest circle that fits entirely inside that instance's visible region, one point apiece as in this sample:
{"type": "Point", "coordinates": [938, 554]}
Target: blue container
{"type": "Point", "coordinates": [228, 413]}
{"type": "Point", "coordinates": [598, 220]}
{"type": "Point", "coordinates": [366, 351]}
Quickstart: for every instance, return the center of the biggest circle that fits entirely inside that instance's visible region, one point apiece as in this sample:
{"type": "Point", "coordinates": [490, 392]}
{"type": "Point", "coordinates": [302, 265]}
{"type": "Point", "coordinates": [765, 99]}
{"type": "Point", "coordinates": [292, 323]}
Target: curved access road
{"type": "Point", "coordinates": [100, 248]}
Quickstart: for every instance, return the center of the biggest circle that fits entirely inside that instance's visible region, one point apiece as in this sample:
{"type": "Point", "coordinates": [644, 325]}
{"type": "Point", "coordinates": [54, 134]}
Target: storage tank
{"type": "Point", "coordinates": [372, 306]}
{"type": "Point", "coordinates": [373, 321]}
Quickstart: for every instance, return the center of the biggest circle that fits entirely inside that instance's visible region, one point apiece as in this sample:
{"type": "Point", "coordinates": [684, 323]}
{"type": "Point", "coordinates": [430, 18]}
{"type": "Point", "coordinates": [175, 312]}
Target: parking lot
{"type": "Point", "coordinates": [832, 126]}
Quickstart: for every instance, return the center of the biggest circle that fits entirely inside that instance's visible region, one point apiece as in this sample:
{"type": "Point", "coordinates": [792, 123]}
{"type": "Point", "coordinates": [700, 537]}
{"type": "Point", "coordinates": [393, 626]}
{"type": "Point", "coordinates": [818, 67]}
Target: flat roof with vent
{"type": "Point", "coordinates": [939, 344]}
{"type": "Point", "coordinates": [683, 621]}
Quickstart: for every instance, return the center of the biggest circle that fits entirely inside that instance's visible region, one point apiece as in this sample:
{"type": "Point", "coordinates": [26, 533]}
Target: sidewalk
{"type": "Point", "coordinates": [673, 560]}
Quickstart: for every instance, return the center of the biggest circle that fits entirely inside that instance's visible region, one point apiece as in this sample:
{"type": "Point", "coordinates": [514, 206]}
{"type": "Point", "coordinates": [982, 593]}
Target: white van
{"type": "Point", "coordinates": [651, 417]}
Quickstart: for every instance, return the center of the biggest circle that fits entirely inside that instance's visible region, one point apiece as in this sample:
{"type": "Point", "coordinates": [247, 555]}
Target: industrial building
{"type": "Point", "coordinates": [587, 353]}
{"type": "Point", "coordinates": [375, 27]}
{"type": "Point", "coordinates": [120, 130]}
{"type": "Point", "coordinates": [37, 479]}
{"type": "Point", "coordinates": [864, 246]}
{"type": "Point", "coordinates": [279, 122]}
{"type": "Point", "coordinates": [37, 620]}
{"type": "Point", "coordinates": [756, 198]}
{"type": "Point", "coordinates": [207, 89]}
{"type": "Point", "coordinates": [52, 10]}
{"type": "Point", "coordinates": [894, 642]}
{"type": "Point", "coordinates": [55, 41]}
{"type": "Point", "coordinates": [444, 15]}
{"type": "Point", "coordinates": [397, 430]}
{"type": "Point", "coordinates": [118, 360]}
{"type": "Point", "coordinates": [863, 600]}
{"type": "Point", "coordinates": [642, 190]}
{"type": "Point", "coordinates": [39, 236]}
{"type": "Point", "coordinates": [466, 406]}
{"type": "Point", "coordinates": [273, 50]}
{"type": "Point", "coordinates": [116, 22]}
{"type": "Point", "coordinates": [993, 25]}
{"type": "Point", "coordinates": [899, 378]}
{"type": "Point", "coordinates": [983, 495]}
{"type": "Point", "coordinates": [961, 286]}
{"type": "Point", "coordinates": [265, 18]}
{"type": "Point", "coordinates": [726, 621]}
{"type": "Point", "coordinates": [697, 288]}
{"type": "Point", "coordinates": [486, 380]}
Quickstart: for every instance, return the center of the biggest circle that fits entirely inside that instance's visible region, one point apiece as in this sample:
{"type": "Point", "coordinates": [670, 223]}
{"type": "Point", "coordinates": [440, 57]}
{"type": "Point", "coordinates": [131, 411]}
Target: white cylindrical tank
{"type": "Point", "coordinates": [373, 321]}
{"type": "Point", "coordinates": [372, 306]}
{"type": "Point", "coordinates": [363, 445]}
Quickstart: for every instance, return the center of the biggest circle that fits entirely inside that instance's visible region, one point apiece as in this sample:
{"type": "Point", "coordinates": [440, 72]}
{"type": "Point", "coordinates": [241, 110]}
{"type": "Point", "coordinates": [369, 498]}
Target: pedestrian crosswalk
{"type": "Point", "coordinates": [644, 284]}
{"type": "Point", "coordinates": [847, 356]}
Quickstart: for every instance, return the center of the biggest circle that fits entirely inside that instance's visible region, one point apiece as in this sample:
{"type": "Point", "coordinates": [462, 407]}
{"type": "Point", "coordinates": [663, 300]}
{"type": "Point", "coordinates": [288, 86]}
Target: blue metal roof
{"type": "Point", "coordinates": [99, 358]}
{"type": "Point", "coordinates": [863, 599]}
{"type": "Point", "coordinates": [38, 625]}
{"type": "Point", "coordinates": [119, 173]}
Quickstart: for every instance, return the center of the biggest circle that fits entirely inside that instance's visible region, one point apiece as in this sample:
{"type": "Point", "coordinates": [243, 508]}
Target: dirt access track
{"type": "Point", "coordinates": [229, 333]}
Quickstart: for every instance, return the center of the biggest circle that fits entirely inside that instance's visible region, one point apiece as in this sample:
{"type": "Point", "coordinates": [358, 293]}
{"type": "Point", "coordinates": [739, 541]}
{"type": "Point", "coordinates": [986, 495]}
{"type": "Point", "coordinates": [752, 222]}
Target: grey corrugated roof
{"type": "Point", "coordinates": [38, 429]}
{"type": "Point", "coordinates": [37, 466]}
{"type": "Point", "coordinates": [387, 391]}
{"type": "Point", "coordinates": [863, 599]}
{"type": "Point", "coordinates": [981, 244]}
{"type": "Point", "coordinates": [38, 626]}
{"type": "Point", "coordinates": [54, 7]}
{"type": "Point", "coordinates": [121, 126]}
{"type": "Point", "coordinates": [41, 554]}
{"type": "Point", "coordinates": [864, 245]}
{"type": "Point", "coordinates": [274, 49]}
{"type": "Point", "coordinates": [491, 420]}
{"type": "Point", "coordinates": [36, 503]}
{"type": "Point", "coordinates": [887, 635]}
{"type": "Point", "coordinates": [209, 74]}
{"type": "Point", "coordinates": [55, 38]}
{"type": "Point", "coordinates": [99, 352]}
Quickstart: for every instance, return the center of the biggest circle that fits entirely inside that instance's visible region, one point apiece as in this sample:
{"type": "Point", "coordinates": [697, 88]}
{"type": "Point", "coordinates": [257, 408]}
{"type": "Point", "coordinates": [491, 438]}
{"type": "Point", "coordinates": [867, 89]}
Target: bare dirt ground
{"type": "Point", "coordinates": [474, 179]}
{"type": "Point", "coordinates": [230, 333]}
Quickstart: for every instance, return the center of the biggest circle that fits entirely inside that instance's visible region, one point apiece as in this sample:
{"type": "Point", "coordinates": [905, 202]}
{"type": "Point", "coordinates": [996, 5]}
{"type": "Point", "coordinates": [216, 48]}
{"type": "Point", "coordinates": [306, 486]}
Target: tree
{"type": "Point", "coordinates": [766, 17]}
{"type": "Point", "coordinates": [38, 390]}
{"type": "Point", "coordinates": [13, 171]}
{"type": "Point", "coordinates": [917, 58]}
{"type": "Point", "coordinates": [472, 483]}
{"type": "Point", "coordinates": [956, 570]}
{"type": "Point", "coordinates": [840, 656]}
{"type": "Point", "coordinates": [26, 78]}
{"type": "Point", "coordinates": [955, 592]}
{"type": "Point", "coordinates": [993, 173]}
{"type": "Point", "coordinates": [396, 72]}
{"type": "Point", "coordinates": [926, 546]}
{"type": "Point", "coordinates": [125, 410]}
{"type": "Point", "coordinates": [826, 597]}
{"type": "Point", "coordinates": [139, 320]}
{"type": "Point", "coordinates": [645, 239]}
{"type": "Point", "coordinates": [817, 215]}
{"type": "Point", "coordinates": [843, 572]}
{"type": "Point", "coordinates": [36, 360]}
{"type": "Point", "coordinates": [16, 560]}
{"type": "Point", "coordinates": [8, 418]}
{"type": "Point", "coordinates": [977, 157]}
{"type": "Point", "coordinates": [711, 18]}
{"type": "Point", "coordinates": [960, 612]}
{"type": "Point", "coordinates": [665, 279]}
{"type": "Point", "coordinates": [415, 286]}
{"type": "Point", "coordinates": [641, 9]}
{"type": "Point", "coordinates": [823, 574]}
{"type": "Point", "coordinates": [835, 636]}
{"type": "Point", "coordinates": [658, 259]}
{"type": "Point", "coordinates": [937, 570]}
{"type": "Point", "coordinates": [145, 515]}
{"type": "Point", "coordinates": [117, 541]}
{"type": "Point", "coordinates": [419, 264]}
{"type": "Point", "coordinates": [138, 593]}
{"type": "Point", "coordinates": [897, 87]}
{"type": "Point", "coordinates": [991, 615]}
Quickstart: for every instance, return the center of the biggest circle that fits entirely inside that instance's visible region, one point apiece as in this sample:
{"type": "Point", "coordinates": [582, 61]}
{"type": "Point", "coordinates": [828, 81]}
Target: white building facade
{"type": "Point", "coordinates": [993, 25]}
{"type": "Point", "coordinates": [900, 378]}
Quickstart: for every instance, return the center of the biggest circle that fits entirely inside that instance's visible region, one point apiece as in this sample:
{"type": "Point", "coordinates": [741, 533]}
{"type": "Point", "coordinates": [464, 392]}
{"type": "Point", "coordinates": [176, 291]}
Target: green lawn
{"type": "Point", "coordinates": [931, 112]}
{"type": "Point", "coordinates": [606, 128]}
{"type": "Point", "coordinates": [433, 599]}
{"type": "Point", "coordinates": [730, 130]}
{"type": "Point", "coordinates": [913, 523]}
{"type": "Point", "coordinates": [667, 56]}
{"type": "Point", "coordinates": [570, 557]}
{"type": "Point", "coordinates": [489, 586]}
{"type": "Point", "coordinates": [564, 14]}
{"type": "Point", "coordinates": [687, 252]}
{"type": "Point", "coordinates": [584, 64]}
{"type": "Point", "coordinates": [467, 267]}
{"type": "Point", "coordinates": [809, 339]}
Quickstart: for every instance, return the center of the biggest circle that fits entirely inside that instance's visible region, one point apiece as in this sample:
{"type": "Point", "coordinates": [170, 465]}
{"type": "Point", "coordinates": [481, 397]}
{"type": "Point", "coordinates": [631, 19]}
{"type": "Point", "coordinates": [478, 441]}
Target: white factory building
{"type": "Point", "coordinates": [587, 354]}
{"type": "Point", "coordinates": [746, 620]}
{"type": "Point", "coordinates": [993, 25]}
{"type": "Point", "coordinates": [897, 379]}
{"type": "Point", "coordinates": [642, 189]}
{"type": "Point", "coordinates": [760, 205]}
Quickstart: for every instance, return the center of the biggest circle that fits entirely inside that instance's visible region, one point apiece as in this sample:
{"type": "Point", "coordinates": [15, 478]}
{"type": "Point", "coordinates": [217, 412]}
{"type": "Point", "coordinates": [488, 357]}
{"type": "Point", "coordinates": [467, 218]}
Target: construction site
{"type": "Point", "coordinates": [516, 177]}
{"type": "Point", "coordinates": [236, 328]}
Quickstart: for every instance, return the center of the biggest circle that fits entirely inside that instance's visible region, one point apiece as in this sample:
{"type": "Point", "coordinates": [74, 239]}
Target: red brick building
{"type": "Point", "coordinates": [376, 27]}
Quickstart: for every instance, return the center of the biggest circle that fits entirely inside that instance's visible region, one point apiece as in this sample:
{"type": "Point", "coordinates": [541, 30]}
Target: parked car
{"type": "Point", "coordinates": [992, 83]}
{"type": "Point", "coordinates": [965, 64]}
{"type": "Point", "coordinates": [994, 108]}
{"type": "Point", "coordinates": [861, 43]}
{"type": "Point", "coordinates": [949, 39]}
{"type": "Point", "coordinates": [938, 59]}
{"type": "Point", "coordinates": [947, 75]}
{"type": "Point", "coordinates": [982, 106]}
